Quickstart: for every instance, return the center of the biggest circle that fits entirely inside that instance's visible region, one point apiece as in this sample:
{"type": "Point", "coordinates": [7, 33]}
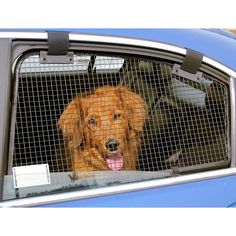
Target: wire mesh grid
{"type": "Point", "coordinates": [186, 122]}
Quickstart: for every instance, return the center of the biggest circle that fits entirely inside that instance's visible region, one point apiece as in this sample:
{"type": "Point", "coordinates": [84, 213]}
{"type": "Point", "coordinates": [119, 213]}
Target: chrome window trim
{"type": "Point", "coordinates": [127, 41]}
{"type": "Point", "coordinates": [232, 93]}
{"type": "Point", "coordinates": [105, 191]}
{"type": "Point", "coordinates": [132, 186]}
{"type": "Point", "coordinates": [23, 35]}
{"type": "Point", "coordinates": [219, 66]}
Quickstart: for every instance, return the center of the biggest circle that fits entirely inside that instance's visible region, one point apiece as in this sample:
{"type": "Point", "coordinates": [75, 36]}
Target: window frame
{"type": "Point", "coordinates": [30, 41]}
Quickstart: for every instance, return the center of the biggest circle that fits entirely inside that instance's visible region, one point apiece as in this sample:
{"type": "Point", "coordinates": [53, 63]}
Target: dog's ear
{"type": "Point", "coordinates": [135, 107]}
{"type": "Point", "coordinates": [71, 123]}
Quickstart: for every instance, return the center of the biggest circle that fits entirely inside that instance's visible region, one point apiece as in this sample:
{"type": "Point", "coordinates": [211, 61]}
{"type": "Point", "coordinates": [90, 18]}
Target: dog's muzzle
{"type": "Point", "coordinates": [114, 159]}
{"type": "Point", "coordinates": [112, 145]}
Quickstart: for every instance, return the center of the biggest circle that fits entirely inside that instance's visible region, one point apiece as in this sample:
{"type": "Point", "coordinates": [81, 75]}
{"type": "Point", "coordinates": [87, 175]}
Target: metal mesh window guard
{"type": "Point", "coordinates": [132, 114]}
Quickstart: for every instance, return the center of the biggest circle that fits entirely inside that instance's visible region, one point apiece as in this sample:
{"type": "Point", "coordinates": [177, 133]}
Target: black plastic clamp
{"type": "Point", "coordinates": [190, 67]}
{"type": "Point", "coordinates": [192, 61]}
{"type": "Point", "coordinates": [58, 44]}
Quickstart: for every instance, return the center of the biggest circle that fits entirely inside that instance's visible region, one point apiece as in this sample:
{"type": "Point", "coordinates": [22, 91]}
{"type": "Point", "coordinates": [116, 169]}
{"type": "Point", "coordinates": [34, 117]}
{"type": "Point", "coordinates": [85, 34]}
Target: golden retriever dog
{"type": "Point", "coordinates": [102, 129]}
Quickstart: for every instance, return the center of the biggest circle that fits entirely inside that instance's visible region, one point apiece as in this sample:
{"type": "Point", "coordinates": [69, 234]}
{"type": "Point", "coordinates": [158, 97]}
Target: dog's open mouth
{"type": "Point", "coordinates": [115, 161]}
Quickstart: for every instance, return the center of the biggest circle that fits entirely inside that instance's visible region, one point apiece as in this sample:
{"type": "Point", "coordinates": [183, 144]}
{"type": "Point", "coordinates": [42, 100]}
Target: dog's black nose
{"type": "Point", "coordinates": [112, 145]}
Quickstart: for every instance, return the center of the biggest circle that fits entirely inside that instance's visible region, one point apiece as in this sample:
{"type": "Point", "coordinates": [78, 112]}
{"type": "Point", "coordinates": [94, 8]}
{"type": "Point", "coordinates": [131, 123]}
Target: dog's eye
{"type": "Point", "coordinates": [117, 116]}
{"type": "Point", "coordinates": [92, 121]}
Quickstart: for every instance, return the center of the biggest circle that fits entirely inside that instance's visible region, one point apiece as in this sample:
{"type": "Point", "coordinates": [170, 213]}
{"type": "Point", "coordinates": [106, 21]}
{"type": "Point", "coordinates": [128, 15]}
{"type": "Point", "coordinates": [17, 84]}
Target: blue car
{"type": "Point", "coordinates": [118, 118]}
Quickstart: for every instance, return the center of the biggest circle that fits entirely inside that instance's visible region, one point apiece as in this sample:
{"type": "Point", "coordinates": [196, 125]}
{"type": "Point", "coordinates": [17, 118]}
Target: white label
{"type": "Point", "coordinates": [33, 175]}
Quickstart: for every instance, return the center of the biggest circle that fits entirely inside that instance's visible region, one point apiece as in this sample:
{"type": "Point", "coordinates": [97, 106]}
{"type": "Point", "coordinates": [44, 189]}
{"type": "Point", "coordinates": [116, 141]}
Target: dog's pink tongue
{"type": "Point", "coordinates": [115, 162]}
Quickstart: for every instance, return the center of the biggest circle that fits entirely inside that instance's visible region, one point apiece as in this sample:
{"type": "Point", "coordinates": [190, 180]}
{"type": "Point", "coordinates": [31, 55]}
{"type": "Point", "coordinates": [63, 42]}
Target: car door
{"type": "Point", "coordinates": [175, 123]}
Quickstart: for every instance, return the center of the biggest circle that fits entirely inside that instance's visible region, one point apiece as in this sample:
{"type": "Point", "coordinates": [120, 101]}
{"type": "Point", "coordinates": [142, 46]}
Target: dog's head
{"type": "Point", "coordinates": [107, 120]}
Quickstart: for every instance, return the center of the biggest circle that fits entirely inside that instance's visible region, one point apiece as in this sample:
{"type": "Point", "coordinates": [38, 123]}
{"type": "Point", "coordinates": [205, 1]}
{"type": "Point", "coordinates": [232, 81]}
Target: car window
{"type": "Point", "coordinates": [111, 119]}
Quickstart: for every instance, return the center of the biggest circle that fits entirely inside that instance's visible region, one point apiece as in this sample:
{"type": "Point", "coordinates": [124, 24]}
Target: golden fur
{"type": "Point", "coordinates": [110, 113]}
